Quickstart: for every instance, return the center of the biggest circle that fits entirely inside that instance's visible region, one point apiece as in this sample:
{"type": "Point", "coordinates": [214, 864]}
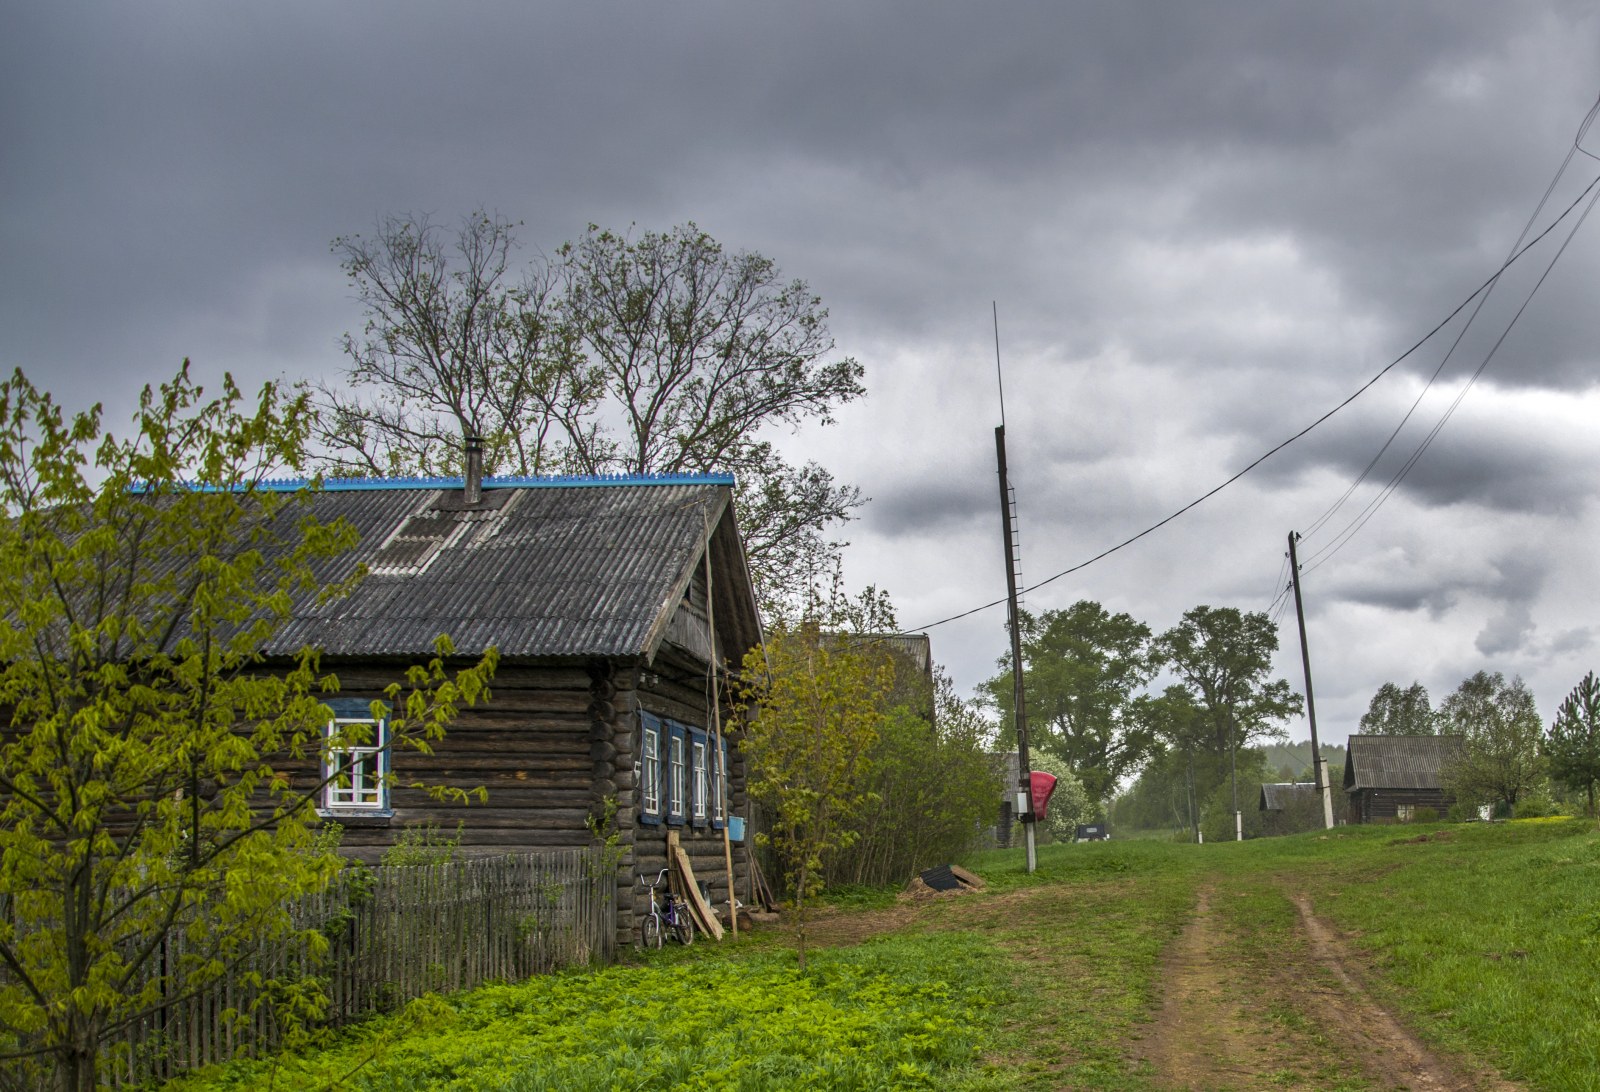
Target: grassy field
{"type": "Point", "coordinates": [1484, 938]}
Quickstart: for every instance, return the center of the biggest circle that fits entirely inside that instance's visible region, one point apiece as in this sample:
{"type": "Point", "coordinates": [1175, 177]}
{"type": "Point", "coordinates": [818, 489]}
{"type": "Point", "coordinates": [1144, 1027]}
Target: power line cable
{"type": "Point", "coordinates": [1280, 446]}
{"type": "Point", "coordinates": [1533, 217]}
{"type": "Point", "coordinates": [1339, 542]}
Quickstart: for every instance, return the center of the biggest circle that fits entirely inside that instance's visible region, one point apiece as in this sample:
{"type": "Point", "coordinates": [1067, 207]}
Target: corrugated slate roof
{"type": "Point", "coordinates": [1276, 796]}
{"type": "Point", "coordinates": [578, 569]}
{"type": "Point", "coordinates": [1398, 762]}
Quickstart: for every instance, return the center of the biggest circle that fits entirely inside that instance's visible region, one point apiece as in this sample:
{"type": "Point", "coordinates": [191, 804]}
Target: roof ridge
{"type": "Point", "coordinates": [510, 481]}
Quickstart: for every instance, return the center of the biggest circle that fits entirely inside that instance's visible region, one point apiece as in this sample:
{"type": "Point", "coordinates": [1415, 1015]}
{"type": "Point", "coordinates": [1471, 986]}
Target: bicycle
{"type": "Point", "coordinates": [668, 915]}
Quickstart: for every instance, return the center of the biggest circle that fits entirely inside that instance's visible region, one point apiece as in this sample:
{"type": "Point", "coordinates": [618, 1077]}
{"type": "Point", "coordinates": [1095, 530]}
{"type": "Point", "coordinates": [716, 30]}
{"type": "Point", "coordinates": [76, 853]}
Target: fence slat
{"type": "Point", "coordinates": [393, 933]}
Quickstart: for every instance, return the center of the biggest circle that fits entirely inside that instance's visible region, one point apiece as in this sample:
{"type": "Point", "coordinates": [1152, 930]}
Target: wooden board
{"type": "Point", "coordinates": [691, 890]}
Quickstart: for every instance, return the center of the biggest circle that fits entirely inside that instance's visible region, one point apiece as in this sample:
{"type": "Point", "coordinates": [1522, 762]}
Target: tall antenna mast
{"type": "Point", "coordinates": [1008, 521]}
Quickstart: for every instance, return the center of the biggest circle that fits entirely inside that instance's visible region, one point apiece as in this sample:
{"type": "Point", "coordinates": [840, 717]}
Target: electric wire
{"type": "Point", "coordinates": [1278, 447]}
{"type": "Point", "coordinates": [1327, 552]}
{"type": "Point", "coordinates": [1576, 146]}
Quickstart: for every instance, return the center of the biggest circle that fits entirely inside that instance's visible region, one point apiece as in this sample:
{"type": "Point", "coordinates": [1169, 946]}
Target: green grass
{"type": "Point", "coordinates": [902, 1012]}
{"type": "Point", "coordinates": [1486, 938]}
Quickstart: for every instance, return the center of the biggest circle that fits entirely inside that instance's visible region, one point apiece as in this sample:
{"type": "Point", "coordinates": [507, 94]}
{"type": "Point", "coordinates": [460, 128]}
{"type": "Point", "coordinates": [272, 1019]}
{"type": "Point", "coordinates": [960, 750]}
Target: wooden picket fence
{"type": "Point", "coordinates": [394, 933]}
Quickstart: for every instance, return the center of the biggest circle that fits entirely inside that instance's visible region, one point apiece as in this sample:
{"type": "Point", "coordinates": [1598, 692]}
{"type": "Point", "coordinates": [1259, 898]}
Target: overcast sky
{"type": "Point", "coordinates": [1204, 225]}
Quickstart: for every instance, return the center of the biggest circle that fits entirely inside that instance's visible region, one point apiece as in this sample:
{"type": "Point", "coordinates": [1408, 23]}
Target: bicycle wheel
{"type": "Point", "coordinates": [684, 929]}
{"type": "Point", "coordinates": [653, 933]}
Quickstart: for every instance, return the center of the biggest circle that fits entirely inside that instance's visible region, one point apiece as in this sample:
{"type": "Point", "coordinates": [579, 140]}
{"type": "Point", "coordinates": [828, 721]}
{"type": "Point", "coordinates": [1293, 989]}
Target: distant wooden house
{"type": "Point", "coordinates": [1288, 807]}
{"type": "Point", "coordinates": [596, 592]}
{"type": "Point", "coordinates": [1387, 778]}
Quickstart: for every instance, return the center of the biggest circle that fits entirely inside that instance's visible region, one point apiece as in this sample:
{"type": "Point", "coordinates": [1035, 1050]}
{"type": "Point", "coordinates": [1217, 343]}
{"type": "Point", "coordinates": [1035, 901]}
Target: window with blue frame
{"type": "Point", "coordinates": [650, 750]}
{"type": "Point", "coordinates": [719, 785]}
{"type": "Point", "coordinates": [677, 772]}
{"type": "Point", "coordinates": [700, 785]}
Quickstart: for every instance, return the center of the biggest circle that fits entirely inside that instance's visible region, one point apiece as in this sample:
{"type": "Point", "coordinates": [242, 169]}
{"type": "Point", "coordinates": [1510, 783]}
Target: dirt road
{"type": "Point", "coordinates": [1295, 1014]}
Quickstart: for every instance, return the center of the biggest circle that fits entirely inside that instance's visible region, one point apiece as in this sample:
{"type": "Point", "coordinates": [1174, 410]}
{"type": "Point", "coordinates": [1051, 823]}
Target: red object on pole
{"type": "Point", "coordinates": [1041, 785]}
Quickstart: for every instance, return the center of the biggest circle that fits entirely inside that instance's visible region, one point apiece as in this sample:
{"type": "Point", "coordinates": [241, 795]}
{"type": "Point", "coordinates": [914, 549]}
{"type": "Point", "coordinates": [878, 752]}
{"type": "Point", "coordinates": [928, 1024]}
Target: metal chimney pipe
{"type": "Point", "coordinates": [472, 485]}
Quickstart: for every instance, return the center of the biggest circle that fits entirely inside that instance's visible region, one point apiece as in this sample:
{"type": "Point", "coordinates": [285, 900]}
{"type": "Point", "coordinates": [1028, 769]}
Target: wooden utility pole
{"type": "Point", "coordinates": [1324, 791]}
{"type": "Point", "coordinates": [1024, 767]}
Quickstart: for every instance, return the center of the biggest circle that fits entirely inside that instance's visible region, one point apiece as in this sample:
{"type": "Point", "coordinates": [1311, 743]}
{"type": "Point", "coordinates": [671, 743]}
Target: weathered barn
{"type": "Point", "coordinates": [1288, 807]}
{"type": "Point", "coordinates": [597, 594]}
{"type": "Point", "coordinates": [1387, 778]}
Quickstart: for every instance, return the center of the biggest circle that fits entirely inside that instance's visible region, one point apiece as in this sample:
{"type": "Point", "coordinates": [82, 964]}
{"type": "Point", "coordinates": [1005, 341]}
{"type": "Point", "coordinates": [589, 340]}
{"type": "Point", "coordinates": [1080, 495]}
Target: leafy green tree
{"type": "Point", "coordinates": [933, 783]}
{"type": "Point", "coordinates": [1501, 729]}
{"type": "Point", "coordinates": [1080, 669]}
{"type": "Point", "coordinates": [1171, 783]}
{"type": "Point", "coordinates": [810, 698]}
{"type": "Point", "coordinates": [1224, 655]}
{"type": "Point", "coordinates": [155, 777]}
{"type": "Point", "coordinates": [1396, 712]}
{"type": "Point", "coordinates": [1070, 804]}
{"type": "Point", "coordinates": [1572, 746]}
{"type": "Point", "coordinates": [657, 354]}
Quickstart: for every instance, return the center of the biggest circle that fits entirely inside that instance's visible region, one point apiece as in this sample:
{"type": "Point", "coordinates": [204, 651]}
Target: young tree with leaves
{"type": "Point", "coordinates": [1396, 712]}
{"type": "Point", "coordinates": [810, 699]}
{"type": "Point", "coordinates": [1501, 730]}
{"type": "Point", "coordinates": [1572, 746]}
{"type": "Point", "coordinates": [1081, 667]}
{"type": "Point", "coordinates": [154, 774]}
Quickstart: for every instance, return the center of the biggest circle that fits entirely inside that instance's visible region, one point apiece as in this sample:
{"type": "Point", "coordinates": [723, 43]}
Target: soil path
{"type": "Point", "coordinates": [1230, 1019]}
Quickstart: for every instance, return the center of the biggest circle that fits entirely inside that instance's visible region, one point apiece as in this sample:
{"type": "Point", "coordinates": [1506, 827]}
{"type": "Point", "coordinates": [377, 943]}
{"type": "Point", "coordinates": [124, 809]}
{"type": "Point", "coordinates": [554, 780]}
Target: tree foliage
{"type": "Point", "coordinates": [1396, 712]}
{"type": "Point", "coordinates": [1223, 657]}
{"type": "Point", "coordinates": [810, 698]}
{"type": "Point", "coordinates": [1501, 731]}
{"type": "Point", "coordinates": [153, 775]}
{"type": "Point", "coordinates": [1081, 667]}
{"type": "Point", "coordinates": [657, 354]}
{"type": "Point", "coordinates": [1572, 746]}
{"type": "Point", "coordinates": [932, 782]}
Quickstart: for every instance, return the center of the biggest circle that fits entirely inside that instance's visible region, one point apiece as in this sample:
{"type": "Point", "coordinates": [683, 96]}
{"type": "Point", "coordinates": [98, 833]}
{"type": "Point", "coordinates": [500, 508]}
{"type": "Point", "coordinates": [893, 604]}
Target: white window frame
{"type": "Point", "coordinates": [719, 776]}
{"type": "Point", "coordinates": [363, 768]}
{"type": "Point", "coordinates": [697, 751]}
{"type": "Point", "coordinates": [650, 770]}
{"type": "Point", "coordinates": [677, 776]}
{"type": "Point", "coordinates": [1404, 812]}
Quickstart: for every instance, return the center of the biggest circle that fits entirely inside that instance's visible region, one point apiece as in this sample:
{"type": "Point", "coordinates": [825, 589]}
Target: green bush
{"type": "Point", "coordinates": [1425, 815]}
{"type": "Point", "coordinates": [1537, 806]}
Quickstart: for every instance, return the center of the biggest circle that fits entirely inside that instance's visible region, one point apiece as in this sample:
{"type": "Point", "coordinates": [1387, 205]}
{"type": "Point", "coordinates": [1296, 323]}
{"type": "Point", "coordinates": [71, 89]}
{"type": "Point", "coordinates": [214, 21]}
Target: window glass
{"type": "Point", "coordinates": [701, 786]}
{"type": "Point", "coordinates": [356, 765]}
{"type": "Point", "coordinates": [677, 775]}
{"type": "Point", "coordinates": [650, 769]}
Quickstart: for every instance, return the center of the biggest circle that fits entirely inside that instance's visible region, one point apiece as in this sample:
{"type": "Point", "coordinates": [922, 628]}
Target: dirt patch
{"type": "Point", "coordinates": [1205, 1036]}
{"type": "Point", "coordinates": [1388, 1049]}
{"type": "Point", "coordinates": [1231, 1019]}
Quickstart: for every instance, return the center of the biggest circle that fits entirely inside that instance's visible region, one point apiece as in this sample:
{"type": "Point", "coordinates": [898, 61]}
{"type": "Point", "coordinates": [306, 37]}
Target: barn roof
{"type": "Point", "coordinates": [1398, 762]}
{"type": "Point", "coordinates": [541, 568]}
{"type": "Point", "coordinates": [1276, 796]}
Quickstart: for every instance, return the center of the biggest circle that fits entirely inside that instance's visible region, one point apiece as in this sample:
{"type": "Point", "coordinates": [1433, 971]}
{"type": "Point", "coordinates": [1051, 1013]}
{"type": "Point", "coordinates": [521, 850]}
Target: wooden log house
{"type": "Point", "coordinates": [1387, 778]}
{"type": "Point", "coordinates": [597, 594]}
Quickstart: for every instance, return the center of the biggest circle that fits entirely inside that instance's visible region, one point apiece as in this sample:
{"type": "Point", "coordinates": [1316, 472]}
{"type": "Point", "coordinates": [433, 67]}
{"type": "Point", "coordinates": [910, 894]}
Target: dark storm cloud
{"type": "Point", "coordinates": [1204, 223]}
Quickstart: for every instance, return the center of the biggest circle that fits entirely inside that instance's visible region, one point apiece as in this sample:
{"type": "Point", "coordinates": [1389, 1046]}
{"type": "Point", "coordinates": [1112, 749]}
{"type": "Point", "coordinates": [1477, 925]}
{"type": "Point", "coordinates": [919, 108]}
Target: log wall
{"type": "Point", "coordinates": [553, 744]}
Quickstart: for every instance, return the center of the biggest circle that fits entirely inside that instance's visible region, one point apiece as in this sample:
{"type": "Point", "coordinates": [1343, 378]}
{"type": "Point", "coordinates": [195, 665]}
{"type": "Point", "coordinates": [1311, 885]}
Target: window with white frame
{"type": "Point", "coordinates": [719, 781]}
{"type": "Point", "coordinates": [1403, 812]}
{"type": "Point", "coordinates": [356, 764]}
{"type": "Point", "coordinates": [650, 771]}
{"type": "Point", "coordinates": [701, 785]}
{"type": "Point", "coordinates": [677, 775]}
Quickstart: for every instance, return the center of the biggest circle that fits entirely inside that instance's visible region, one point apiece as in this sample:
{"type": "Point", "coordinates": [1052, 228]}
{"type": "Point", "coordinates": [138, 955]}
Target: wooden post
{"type": "Point", "coordinates": [716, 726]}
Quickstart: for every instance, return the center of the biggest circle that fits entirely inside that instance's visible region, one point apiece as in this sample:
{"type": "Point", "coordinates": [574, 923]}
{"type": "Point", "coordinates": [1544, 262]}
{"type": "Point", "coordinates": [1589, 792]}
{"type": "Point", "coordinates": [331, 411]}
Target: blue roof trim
{"type": "Point", "coordinates": [553, 481]}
